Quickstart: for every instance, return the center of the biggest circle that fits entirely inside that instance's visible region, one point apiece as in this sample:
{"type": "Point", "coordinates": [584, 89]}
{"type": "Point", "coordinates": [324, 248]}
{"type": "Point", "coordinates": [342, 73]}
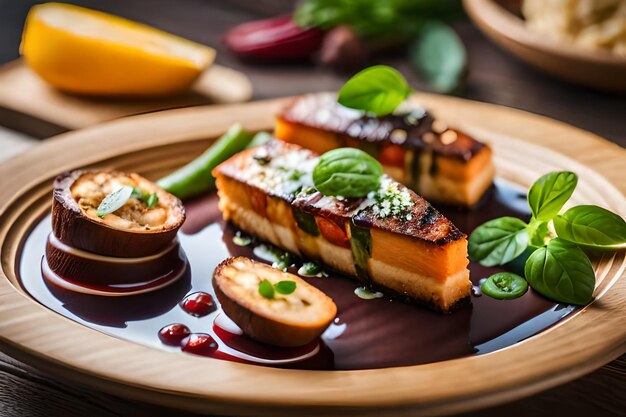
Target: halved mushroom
{"type": "Point", "coordinates": [133, 230]}
{"type": "Point", "coordinates": [293, 319]}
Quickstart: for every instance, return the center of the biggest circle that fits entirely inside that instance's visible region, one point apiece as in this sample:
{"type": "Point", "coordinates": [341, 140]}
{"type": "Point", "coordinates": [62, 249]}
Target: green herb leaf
{"type": "Point", "coordinates": [378, 89]}
{"type": "Point", "coordinates": [279, 258]}
{"type": "Point", "coordinates": [114, 200]}
{"type": "Point", "coordinates": [137, 193]}
{"type": "Point", "coordinates": [310, 269]}
{"type": "Point", "coordinates": [152, 200]}
{"type": "Point", "coordinates": [374, 19]}
{"type": "Point", "coordinates": [241, 240]}
{"type": "Point", "coordinates": [498, 241]}
{"type": "Point", "coordinates": [504, 286]}
{"type": "Point", "coordinates": [439, 57]}
{"type": "Point", "coordinates": [539, 233]}
{"type": "Point", "coordinates": [562, 272]}
{"type": "Point", "coordinates": [266, 289]}
{"type": "Point", "coordinates": [149, 199]}
{"type": "Point", "coordinates": [347, 172]}
{"type": "Point", "coordinates": [550, 192]}
{"type": "Point", "coordinates": [367, 293]}
{"type": "Point", "coordinates": [285, 287]}
{"type": "Point", "coordinates": [591, 225]}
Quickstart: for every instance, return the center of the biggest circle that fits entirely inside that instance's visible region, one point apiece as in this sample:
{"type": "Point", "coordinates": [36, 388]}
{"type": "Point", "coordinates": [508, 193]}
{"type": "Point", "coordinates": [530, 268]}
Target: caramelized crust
{"type": "Point", "coordinates": [423, 256]}
{"type": "Point", "coordinates": [438, 162]}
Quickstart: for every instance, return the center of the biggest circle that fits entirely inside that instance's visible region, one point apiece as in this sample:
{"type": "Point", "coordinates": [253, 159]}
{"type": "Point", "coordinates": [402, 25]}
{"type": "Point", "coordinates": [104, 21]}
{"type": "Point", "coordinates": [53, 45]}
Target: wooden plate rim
{"type": "Point", "coordinates": [133, 370]}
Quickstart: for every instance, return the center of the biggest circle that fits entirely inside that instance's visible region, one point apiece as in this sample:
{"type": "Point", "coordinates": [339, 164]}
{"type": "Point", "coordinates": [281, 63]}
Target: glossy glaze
{"type": "Point", "coordinates": [375, 333]}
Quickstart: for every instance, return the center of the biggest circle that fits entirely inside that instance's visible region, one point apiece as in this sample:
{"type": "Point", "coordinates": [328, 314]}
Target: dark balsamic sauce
{"type": "Point", "coordinates": [375, 333]}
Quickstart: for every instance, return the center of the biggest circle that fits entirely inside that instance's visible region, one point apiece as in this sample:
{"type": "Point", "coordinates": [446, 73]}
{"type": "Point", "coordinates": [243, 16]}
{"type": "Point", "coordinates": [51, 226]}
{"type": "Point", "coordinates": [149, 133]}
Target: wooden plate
{"type": "Point", "coordinates": [596, 69]}
{"type": "Point", "coordinates": [525, 147]}
{"type": "Point", "coordinates": [29, 105]}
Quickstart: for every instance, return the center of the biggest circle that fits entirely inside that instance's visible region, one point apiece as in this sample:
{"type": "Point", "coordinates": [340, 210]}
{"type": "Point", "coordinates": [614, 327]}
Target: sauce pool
{"type": "Point", "coordinates": [368, 333]}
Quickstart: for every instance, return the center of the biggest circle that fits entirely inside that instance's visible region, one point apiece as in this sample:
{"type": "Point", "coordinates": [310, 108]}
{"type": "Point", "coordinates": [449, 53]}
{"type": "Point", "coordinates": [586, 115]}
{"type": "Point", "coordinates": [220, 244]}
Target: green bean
{"type": "Point", "coordinates": [195, 178]}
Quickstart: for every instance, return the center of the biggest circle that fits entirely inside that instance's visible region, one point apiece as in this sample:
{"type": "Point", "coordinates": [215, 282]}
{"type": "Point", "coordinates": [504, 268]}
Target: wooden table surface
{"type": "Point", "coordinates": [494, 77]}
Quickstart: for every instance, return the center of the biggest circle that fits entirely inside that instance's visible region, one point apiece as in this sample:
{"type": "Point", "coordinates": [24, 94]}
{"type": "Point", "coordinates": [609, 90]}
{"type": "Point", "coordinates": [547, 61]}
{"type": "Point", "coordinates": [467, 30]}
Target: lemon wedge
{"type": "Point", "coordinates": [87, 52]}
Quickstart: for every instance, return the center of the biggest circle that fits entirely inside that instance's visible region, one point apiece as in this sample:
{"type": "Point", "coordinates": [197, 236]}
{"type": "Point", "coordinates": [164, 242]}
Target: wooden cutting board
{"type": "Point", "coordinates": [30, 105]}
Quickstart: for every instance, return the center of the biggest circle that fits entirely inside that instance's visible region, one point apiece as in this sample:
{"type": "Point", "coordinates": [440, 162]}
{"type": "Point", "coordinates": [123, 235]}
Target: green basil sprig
{"type": "Point", "coordinates": [347, 172]}
{"type": "Point", "coordinates": [378, 90]}
{"type": "Point", "coordinates": [561, 271]}
{"type": "Point", "coordinates": [558, 268]}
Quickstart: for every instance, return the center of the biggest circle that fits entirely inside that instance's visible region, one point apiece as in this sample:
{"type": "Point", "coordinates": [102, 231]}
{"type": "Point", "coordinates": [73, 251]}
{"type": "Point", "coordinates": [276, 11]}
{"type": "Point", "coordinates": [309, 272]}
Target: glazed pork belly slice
{"type": "Point", "coordinates": [419, 254]}
{"type": "Point", "coordinates": [440, 163]}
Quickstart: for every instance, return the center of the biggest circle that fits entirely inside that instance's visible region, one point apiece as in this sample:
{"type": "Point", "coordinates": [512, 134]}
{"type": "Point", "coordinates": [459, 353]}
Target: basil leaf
{"type": "Point", "coordinates": [550, 192]}
{"type": "Point", "coordinates": [114, 200]}
{"type": "Point", "coordinates": [591, 225]}
{"type": "Point", "coordinates": [347, 172]}
{"type": "Point", "coordinates": [378, 89]}
{"type": "Point", "coordinates": [285, 287]}
{"type": "Point", "coordinates": [561, 271]}
{"type": "Point", "coordinates": [498, 241]}
{"type": "Point", "coordinates": [439, 57]}
{"type": "Point", "coordinates": [266, 289]}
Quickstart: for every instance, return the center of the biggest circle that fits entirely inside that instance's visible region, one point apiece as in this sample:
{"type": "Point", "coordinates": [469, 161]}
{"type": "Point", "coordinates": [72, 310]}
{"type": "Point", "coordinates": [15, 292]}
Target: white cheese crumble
{"type": "Point", "coordinates": [390, 201]}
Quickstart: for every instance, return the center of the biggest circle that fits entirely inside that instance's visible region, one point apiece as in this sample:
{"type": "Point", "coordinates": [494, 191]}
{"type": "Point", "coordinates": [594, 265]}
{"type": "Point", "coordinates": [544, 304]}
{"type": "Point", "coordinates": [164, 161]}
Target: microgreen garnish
{"type": "Point", "coordinates": [347, 172]}
{"type": "Point", "coordinates": [149, 199]}
{"type": "Point", "coordinates": [241, 240]}
{"type": "Point", "coordinates": [279, 258]}
{"type": "Point", "coordinates": [285, 287]}
{"type": "Point", "coordinates": [557, 268]}
{"type": "Point", "coordinates": [267, 290]}
{"type": "Point", "coordinates": [114, 200]}
{"type": "Point", "coordinates": [367, 293]}
{"type": "Point", "coordinates": [310, 269]}
{"type": "Point", "coordinates": [152, 200]}
{"type": "Point", "coordinates": [378, 90]}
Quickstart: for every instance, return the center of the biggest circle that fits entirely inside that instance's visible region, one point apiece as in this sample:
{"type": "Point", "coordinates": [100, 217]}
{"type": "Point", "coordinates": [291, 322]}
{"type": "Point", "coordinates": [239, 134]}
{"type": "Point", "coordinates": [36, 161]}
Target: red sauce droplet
{"type": "Point", "coordinates": [173, 334]}
{"type": "Point", "coordinates": [199, 344]}
{"type": "Point", "coordinates": [198, 304]}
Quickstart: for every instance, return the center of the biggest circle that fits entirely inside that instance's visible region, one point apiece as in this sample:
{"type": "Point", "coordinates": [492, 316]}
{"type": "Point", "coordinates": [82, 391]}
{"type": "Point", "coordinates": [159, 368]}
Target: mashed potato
{"type": "Point", "coordinates": [592, 24]}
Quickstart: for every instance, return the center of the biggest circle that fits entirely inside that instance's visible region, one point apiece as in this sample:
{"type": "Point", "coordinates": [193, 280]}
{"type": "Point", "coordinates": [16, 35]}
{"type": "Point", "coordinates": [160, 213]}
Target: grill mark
{"type": "Point", "coordinates": [429, 217]}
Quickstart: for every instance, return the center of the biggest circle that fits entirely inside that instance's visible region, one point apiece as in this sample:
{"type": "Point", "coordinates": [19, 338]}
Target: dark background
{"type": "Point", "coordinates": [494, 77]}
